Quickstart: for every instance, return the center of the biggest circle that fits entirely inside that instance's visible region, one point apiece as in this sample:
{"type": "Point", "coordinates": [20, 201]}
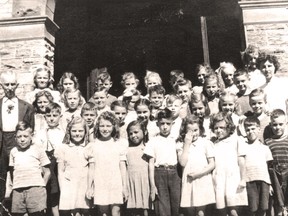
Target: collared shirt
{"type": "Point", "coordinates": [10, 114]}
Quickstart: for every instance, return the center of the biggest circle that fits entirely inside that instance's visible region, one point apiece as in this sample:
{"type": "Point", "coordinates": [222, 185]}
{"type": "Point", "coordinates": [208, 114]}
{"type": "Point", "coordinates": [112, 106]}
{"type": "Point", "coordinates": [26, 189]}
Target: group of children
{"type": "Point", "coordinates": [209, 149]}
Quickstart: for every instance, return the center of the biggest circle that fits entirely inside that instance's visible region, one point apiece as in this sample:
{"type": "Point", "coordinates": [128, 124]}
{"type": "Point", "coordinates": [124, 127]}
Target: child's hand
{"type": "Point", "coordinates": [193, 175]}
{"type": "Point", "coordinates": [125, 194]}
{"type": "Point", "coordinates": [271, 191]}
{"type": "Point", "coordinates": [188, 137]}
{"type": "Point", "coordinates": [241, 186]}
{"type": "Point", "coordinates": [90, 193]}
{"type": "Point", "coordinates": [153, 193]}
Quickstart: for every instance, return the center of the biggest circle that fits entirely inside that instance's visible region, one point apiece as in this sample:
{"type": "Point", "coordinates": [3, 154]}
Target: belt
{"type": "Point", "coordinates": [166, 167]}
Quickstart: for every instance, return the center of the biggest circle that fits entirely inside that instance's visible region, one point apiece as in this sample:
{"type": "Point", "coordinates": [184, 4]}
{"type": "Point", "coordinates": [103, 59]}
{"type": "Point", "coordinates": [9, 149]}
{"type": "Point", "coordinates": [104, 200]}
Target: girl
{"type": "Point", "coordinates": [151, 79]}
{"type": "Point", "coordinates": [225, 73]}
{"type": "Point", "coordinates": [211, 89]}
{"type": "Point", "coordinates": [130, 97]}
{"type": "Point", "coordinates": [107, 174]}
{"type": "Point", "coordinates": [138, 179]}
{"type": "Point", "coordinates": [199, 107]}
{"type": "Point", "coordinates": [129, 81]}
{"type": "Point", "coordinates": [197, 158]}
{"type": "Point", "coordinates": [73, 103]}
{"type": "Point", "coordinates": [120, 111]}
{"type": "Point", "coordinates": [42, 99]}
{"type": "Point", "coordinates": [73, 169]}
{"type": "Point", "coordinates": [43, 80]}
{"type": "Point", "coordinates": [229, 177]}
{"type": "Point", "coordinates": [202, 71]}
{"type": "Point", "coordinates": [142, 108]}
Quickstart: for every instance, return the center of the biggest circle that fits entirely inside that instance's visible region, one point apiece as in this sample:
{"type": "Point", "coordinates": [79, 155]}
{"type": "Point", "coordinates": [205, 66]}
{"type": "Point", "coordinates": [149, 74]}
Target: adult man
{"type": "Point", "coordinates": [12, 110]}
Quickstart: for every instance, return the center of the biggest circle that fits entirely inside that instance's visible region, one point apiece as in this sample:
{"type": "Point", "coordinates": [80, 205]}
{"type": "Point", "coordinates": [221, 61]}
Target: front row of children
{"type": "Point", "coordinates": [110, 171]}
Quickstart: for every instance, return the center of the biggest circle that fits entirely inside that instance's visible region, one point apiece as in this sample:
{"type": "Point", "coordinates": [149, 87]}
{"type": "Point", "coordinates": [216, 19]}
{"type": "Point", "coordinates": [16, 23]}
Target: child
{"type": "Point", "coordinates": [197, 158]}
{"type": "Point", "coordinates": [142, 108]}
{"type": "Point", "coordinates": [104, 80]}
{"type": "Point", "coordinates": [241, 80]}
{"type": "Point", "coordinates": [42, 99]}
{"type": "Point", "coordinates": [152, 79]}
{"type": "Point", "coordinates": [107, 171]}
{"type": "Point", "coordinates": [73, 168]}
{"type": "Point", "coordinates": [278, 145]}
{"type": "Point", "coordinates": [129, 81]}
{"type": "Point", "coordinates": [88, 113]}
{"type": "Point", "coordinates": [211, 89]}
{"type": "Point", "coordinates": [202, 71]}
{"type": "Point", "coordinates": [130, 97]}
{"type": "Point", "coordinates": [137, 167]}
{"type": "Point", "coordinates": [229, 173]}
{"type": "Point", "coordinates": [120, 111]}
{"type": "Point", "coordinates": [165, 183]}
{"type": "Point", "coordinates": [99, 99]}
{"type": "Point", "coordinates": [29, 167]}
{"type": "Point", "coordinates": [174, 76]}
{"type": "Point", "coordinates": [156, 96]}
{"type": "Point", "coordinates": [183, 88]}
{"type": "Point", "coordinates": [257, 176]}
{"type": "Point", "coordinates": [174, 104]}
{"type": "Point", "coordinates": [43, 80]}
{"type": "Point", "coordinates": [73, 103]}
{"type": "Point", "coordinates": [227, 70]}
{"type": "Point", "coordinates": [49, 139]}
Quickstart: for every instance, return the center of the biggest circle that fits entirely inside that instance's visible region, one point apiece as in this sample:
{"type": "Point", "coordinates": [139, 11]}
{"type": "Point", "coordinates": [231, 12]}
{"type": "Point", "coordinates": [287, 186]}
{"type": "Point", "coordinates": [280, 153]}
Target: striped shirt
{"type": "Point", "coordinates": [279, 149]}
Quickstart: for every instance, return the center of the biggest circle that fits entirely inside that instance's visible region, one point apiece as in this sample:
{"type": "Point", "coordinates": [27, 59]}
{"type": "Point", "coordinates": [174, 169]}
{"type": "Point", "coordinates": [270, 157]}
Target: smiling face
{"type": "Point", "coordinates": [24, 138]}
{"type": "Point", "coordinates": [77, 133]}
{"type": "Point", "coordinates": [241, 83]}
{"type": "Point", "coordinates": [278, 126]}
{"type": "Point", "coordinates": [42, 102]}
{"type": "Point", "coordinates": [136, 135]}
{"type": "Point", "coordinates": [105, 129]}
{"type": "Point", "coordinates": [143, 112]}
{"type": "Point", "coordinates": [175, 107]}
{"type": "Point", "coordinates": [156, 99]}
{"type": "Point", "coordinates": [268, 70]}
{"type": "Point", "coordinates": [252, 132]}
{"type": "Point", "coordinates": [42, 79]}
{"type": "Point", "coordinates": [100, 98]}
{"type": "Point", "coordinates": [89, 116]}
{"type": "Point", "coordinates": [257, 104]}
{"type": "Point", "coordinates": [198, 109]}
{"type": "Point", "coordinates": [184, 92]}
{"type": "Point", "coordinates": [211, 88]}
{"type": "Point", "coordinates": [228, 104]}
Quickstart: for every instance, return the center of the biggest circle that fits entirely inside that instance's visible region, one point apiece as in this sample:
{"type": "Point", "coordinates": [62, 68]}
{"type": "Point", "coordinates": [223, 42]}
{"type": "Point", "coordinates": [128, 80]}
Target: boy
{"type": "Point", "coordinates": [88, 113]}
{"type": "Point", "coordinates": [257, 175]}
{"type": "Point", "coordinates": [99, 99]}
{"type": "Point", "coordinates": [29, 168]}
{"type": "Point", "coordinates": [104, 80]}
{"type": "Point", "coordinates": [120, 110]}
{"type": "Point", "coordinates": [183, 88]}
{"type": "Point", "coordinates": [164, 179]}
{"type": "Point", "coordinates": [241, 80]}
{"type": "Point", "coordinates": [49, 139]}
{"type": "Point", "coordinates": [156, 96]}
{"type": "Point", "coordinates": [278, 145]}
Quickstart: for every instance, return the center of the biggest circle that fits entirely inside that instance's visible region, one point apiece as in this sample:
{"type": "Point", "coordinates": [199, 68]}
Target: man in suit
{"type": "Point", "coordinates": [12, 110]}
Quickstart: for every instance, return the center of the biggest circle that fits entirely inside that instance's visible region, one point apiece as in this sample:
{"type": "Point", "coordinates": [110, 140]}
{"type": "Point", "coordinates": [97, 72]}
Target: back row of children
{"type": "Point", "coordinates": [128, 149]}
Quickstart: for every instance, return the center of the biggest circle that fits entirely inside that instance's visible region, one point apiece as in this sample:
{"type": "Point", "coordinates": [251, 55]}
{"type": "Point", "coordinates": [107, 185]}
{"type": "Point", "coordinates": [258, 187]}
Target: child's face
{"type": "Point", "coordinates": [135, 134]}
{"type": "Point", "coordinates": [143, 112]}
{"type": "Point", "coordinates": [89, 116]}
{"type": "Point", "coordinates": [68, 84]}
{"type": "Point", "coordinates": [175, 107]}
{"type": "Point", "coordinates": [42, 79]}
{"type": "Point", "coordinates": [278, 126]}
{"type": "Point", "coordinates": [252, 132]}
{"type": "Point", "coordinates": [220, 130]}
{"type": "Point", "coordinates": [252, 57]}
{"type": "Point", "coordinates": [120, 113]}
{"type": "Point", "coordinates": [42, 102]}
{"type": "Point", "coordinates": [268, 69]}
{"type": "Point", "coordinates": [134, 99]}
{"type": "Point", "coordinates": [194, 130]}
{"type": "Point", "coordinates": [77, 133]}
{"type": "Point", "coordinates": [130, 83]}
{"type": "Point", "coordinates": [184, 92]}
{"type": "Point", "coordinates": [257, 104]}
{"type": "Point", "coordinates": [100, 99]}
{"type": "Point", "coordinates": [241, 82]}
{"type": "Point", "coordinates": [24, 138]}
{"type": "Point", "coordinates": [228, 105]}
{"type": "Point", "coordinates": [73, 100]}
{"type": "Point", "coordinates": [202, 75]}
{"type": "Point", "coordinates": [152, 81]}
{"type": "Point", "coordinates": [156, 99]}
{"type": "Point", "coordinates": [105, 129]}
{"type": "Point", "coordinates": [107, 84]}
{"type": "Point", "coordinates": [227, 75]}
{"type": "Point", "coordinates": [198, 109]}
{"type": "Point", "coordinates": [53, 118]}
{"type": "Point", "coordinates": [165, 126]}
{"type": "Point", "coordinates": [211, 88]}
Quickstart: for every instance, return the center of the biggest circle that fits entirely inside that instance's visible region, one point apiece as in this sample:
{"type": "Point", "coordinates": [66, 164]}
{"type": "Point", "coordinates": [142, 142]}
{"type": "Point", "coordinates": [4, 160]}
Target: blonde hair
{"type": "Point", "coordinates": [74, 121]}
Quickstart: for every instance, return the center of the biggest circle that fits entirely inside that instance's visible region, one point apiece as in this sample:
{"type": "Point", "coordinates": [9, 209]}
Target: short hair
{"type": "Point", "coordinates": [129, 75]}
{"type": "Point", "coordinates": [23, 126]}
{"type": "Point", "coordinates": [196, 98]}
{"type": "Point", "coordinates": [70, 76]}
{"type": "Point", "coordinates": [108, 116]}
{"type": "Point", "coordinates": [8, 73]}
{"type": "Point", "coordinates": [100, 89]}
{"type": "Point", "coordinates": [143, 127]}
{"type": "Point", "coordinates": [173, 97]}
{"type": "Point", "coordinates": [103, 76]}
{"type": "Point", "coordinates": [164, 114]}
{"type": "Point", "coordinates": [39, 94]}
{"type": "Point", "coordinates": [53, 107]}
{"type": "Point", "coordinates": [159, 89]}
{"type": "Point", "coordinates": [88, 106]}
{"type": "Point", "coordinates": [150, 74]}
{"type": "Point", "coordinates": [42, 68]}
{"type": "Point", "coordinates": [221, 116]}
{"type": "Point", "coordinates": [251, 121]}
{"type": "Point", "coordinates": [263, 57]}
{"type": "Point", "coordinates": [276, 113]}
{"type": "Point", "coordinates": [205, 67]}
{"type": "Point", "coordinates": [182, 82]}
{"type": "Point", "coordinates": [119, 103]}
{"type": "Point", "coordinates": [241, 72]}
{"type": "Point", "coordinates": [73, 91]}
{"type": "Point", "coordinates": [258, 92]}
{"type": "Point", "coordinates": [76, 120]}
{"type": "Point", "coordinates": [175, 75]}
{"type": "Point", "coordinates": [248, 51]}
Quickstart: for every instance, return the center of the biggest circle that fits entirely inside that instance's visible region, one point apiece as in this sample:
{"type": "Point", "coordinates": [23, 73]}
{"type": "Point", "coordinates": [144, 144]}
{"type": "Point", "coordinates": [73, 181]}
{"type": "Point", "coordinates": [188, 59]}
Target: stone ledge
{"type": "Point", "coordinates": [22, 28]}
{"type": "Point", "coordinates": [261, 4]}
